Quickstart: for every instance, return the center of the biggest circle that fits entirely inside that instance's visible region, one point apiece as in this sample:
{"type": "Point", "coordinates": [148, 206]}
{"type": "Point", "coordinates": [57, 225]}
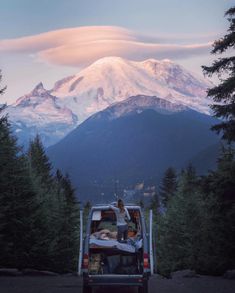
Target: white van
{"type": "Point", "coordinates": [103, 261]}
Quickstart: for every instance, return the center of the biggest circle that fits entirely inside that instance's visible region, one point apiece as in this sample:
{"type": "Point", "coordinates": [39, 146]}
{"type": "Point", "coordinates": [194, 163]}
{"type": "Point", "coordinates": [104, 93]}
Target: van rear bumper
{"type": "Point", "coordinates": [114, 280]}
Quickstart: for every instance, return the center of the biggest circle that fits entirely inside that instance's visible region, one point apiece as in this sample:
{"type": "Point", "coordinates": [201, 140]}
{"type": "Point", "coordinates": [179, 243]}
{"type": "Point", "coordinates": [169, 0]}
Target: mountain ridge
{"type": "Point", "coordinates": [107, 81]}
{"type": "Point", "coordinates": [132, 147]}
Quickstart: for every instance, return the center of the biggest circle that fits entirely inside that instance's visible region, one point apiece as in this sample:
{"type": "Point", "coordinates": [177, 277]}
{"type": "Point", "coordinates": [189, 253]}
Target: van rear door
{"type": "Point", "coordinates": [81, 245]}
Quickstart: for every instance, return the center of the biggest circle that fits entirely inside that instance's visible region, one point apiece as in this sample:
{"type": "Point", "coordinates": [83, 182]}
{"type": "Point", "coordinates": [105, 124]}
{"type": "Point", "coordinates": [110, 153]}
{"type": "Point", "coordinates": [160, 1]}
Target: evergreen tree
{"type": "Point", "coordinates": [39, 162]}
{"type": "Point", "coordinates": [17, 202]}
{"type": "Point", "coordinates": [48, 200]}
{"type": "Point", "coordinates": [87, 206]}
{"type": "Point", "coordinates": [2, 90]}
{"type": "Point", "coordinates": [66, 249]}
{"type": "Point", "coordinates": [189, 174]}
{"type": "Point", "coordinates": [141, 203]}
{"type": "Point", "coordinates": [155, 204]}
{"type": "Point", "coordinates": [197, 230]}
{"type": "Point", "coordinates": [218, 244]}
{"type": "Point", "coordinates": [38, 213]}
{"type": "Point", "coordinates": [179, 227]}
{"type": "Point", "coordinates": [86, 210]}
{"type": "Point", "coordinates": [224, 93]}
{"type": "Point", "coordinates": [168, 186]}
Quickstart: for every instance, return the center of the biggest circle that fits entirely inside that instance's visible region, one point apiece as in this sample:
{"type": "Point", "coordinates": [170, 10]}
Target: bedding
{"type": "Point", "coordinates": [105, 238]}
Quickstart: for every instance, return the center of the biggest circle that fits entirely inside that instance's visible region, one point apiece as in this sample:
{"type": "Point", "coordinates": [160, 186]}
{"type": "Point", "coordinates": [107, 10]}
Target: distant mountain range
{"type": "Point", "coordinates": [120, 121]}
{"type": "Point", "coordinates": [54, 113]}
{"type": "Point", "coordinates": [132, 141]}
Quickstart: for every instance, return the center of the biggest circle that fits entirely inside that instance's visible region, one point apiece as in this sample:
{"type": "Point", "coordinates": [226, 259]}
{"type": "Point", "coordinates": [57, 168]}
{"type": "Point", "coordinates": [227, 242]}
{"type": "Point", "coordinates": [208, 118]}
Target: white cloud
{"type": "Point", "coordinates": [83, 45]}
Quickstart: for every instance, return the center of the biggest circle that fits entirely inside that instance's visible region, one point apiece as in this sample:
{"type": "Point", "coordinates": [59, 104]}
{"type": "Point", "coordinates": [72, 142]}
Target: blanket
{"type": "Point", "coordinates": [105, 238]}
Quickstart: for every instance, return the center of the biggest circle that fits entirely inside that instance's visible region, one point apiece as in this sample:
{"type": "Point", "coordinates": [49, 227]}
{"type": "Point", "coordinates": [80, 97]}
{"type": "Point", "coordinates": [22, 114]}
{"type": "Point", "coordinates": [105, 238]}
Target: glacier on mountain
{"type": "Point", "coordinates": [54, 113]}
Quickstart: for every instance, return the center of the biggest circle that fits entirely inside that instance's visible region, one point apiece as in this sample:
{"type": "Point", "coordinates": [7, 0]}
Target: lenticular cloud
{"type": "Point", "coordinates": [83, 45]}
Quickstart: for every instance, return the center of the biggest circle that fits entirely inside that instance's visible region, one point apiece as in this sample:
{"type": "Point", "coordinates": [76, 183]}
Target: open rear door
{"type": "Point", "coordinates": [151, 242]}
{"type": "Point", "coordinates": [81, 245]}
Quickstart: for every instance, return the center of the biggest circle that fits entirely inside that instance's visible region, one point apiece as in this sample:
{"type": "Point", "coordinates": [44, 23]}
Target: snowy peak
{"type": "Point", "coordinates": [40, 112]}
{"type": "Point", "coordinates": [42, 108]}
{"type": "Point", "coordinates": [138, 104]}
{"type": "Point", "coordinates": [161, 85]}
{"type": "Point", "coordinates": [114, 79]}
{"type": "Point", "coordinates": [176, 77]}
{"type": "Point", "coordinates": [110, 61]}
{"type": "Point", "coordinates": [37, 96]}
{"type": "Point", "coordinates": [39, 90]}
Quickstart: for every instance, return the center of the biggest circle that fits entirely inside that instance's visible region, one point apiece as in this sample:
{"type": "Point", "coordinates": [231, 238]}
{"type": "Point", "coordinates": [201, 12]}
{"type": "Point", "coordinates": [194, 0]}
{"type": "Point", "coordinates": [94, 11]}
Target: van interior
{"type": "Point", "coordinates": [105, 259]}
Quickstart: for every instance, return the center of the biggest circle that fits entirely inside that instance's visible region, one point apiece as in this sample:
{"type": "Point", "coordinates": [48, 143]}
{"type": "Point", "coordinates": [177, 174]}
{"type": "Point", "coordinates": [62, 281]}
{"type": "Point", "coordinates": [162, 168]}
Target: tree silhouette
{"type": "Point", "coordinates": [224, 93]}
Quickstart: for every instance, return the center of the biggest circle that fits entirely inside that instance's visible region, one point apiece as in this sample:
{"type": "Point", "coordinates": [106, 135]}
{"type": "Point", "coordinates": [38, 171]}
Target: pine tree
{"type": "Point", "coordinates": [48, 214]}
{"type": "Point", "coordinates": [155, 204]}
{"type": "Point", "coordinates": [168, 186]}
{"type": "Point", "coordinates": [141, 203]}
{"type": "Point", "coordinates": [87, 206]}
{"type": "Point", "coordinates": [224, 92]}
{"type": "Point", "coordinates": [66, 248]}
{"type": "Point", "coordinates": [58, 223]}
{"type": "Point", "coordinates": [179, 227]}
{"type": "Point", "coordinates": [189, 174]}
{"type": "Point", "coordinates": [39, 162]}
{"type": "Point", "coordinates": [2, 90]}
{"type": "Point", "coordinates": [86, 210]}
{"type": "Point", "coordinates": [18, 202]}
{"type": "Point", "coordinates": [218, 244]}
{"type": "Point", "coordinates": [38, 213]}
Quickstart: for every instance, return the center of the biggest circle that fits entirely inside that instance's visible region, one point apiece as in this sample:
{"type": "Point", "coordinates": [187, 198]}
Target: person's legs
{"type": "Point", "coordinates": [122, 232]}
{"type": "Point", "coordinates": [125, 233]}
{"type": "Point", "coordinates": [119, 233]}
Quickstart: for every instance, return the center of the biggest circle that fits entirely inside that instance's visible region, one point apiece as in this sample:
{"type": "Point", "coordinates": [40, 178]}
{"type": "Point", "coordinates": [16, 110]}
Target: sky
{"type": "Point", "coordinates": [46, 40]}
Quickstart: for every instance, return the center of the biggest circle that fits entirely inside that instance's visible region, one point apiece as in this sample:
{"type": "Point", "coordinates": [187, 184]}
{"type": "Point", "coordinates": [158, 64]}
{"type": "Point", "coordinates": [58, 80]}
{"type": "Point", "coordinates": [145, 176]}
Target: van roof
{"type": "Point", "coordinates": [106, 206]}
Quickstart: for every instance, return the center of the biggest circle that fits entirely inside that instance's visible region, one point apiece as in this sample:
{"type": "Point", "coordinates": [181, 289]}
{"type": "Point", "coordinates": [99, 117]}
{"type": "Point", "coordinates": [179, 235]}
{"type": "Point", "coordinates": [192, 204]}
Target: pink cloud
{"type": "Point", "coordinates": [83, 45]}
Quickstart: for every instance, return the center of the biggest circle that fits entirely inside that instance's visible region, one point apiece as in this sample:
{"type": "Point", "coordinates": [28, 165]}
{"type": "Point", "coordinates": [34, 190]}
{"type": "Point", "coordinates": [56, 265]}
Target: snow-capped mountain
{"type": "Point", "coordinates": [113, 79]}
{"type": "Point", "coordinates": [40, 107]}
{"type": "Point", "coordinates": [133, 141]}
{"type": "Point", "coordinates": [53, 113]}
{"type": "Point", "coordinates": [40, 112]}
{"type": "Point", "coordinates": [138, 104]}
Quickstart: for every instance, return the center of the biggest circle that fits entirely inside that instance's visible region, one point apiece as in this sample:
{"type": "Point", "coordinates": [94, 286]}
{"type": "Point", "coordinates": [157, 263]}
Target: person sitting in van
{"type": "Point", "coordinates": [122, 215]}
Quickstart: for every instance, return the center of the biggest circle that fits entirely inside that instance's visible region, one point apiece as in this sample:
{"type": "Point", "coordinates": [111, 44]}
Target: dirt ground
{"type": "Point", "coordinates": [72, 284]}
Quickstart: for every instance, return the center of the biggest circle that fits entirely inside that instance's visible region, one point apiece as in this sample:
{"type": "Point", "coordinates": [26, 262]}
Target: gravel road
{"type": "Point", "coordinates": [72, 284]}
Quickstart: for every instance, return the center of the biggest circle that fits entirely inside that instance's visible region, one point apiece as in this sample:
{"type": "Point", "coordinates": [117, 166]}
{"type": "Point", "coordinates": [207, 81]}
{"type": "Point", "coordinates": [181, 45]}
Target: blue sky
{"type": "Point", "coordinates": [174, 22]}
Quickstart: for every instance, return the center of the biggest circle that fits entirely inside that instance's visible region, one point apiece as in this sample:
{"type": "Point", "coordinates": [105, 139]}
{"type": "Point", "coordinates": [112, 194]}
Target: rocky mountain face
{"type": "Point", "coordinates": [40, 112]}
{"type": "Point", "coordinates": [137, 104]}
{"type": "Point", "coordinates": [132, 142]}
{"type": "Point", "coordinates": [54, 113]}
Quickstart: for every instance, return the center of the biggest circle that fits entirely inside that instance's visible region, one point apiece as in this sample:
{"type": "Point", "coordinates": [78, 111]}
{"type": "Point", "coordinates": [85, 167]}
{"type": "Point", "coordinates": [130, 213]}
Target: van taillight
{"type": "Point", "coordinates": [85, 261]}
{"type": "Point", "coordinates": [146, 261]}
